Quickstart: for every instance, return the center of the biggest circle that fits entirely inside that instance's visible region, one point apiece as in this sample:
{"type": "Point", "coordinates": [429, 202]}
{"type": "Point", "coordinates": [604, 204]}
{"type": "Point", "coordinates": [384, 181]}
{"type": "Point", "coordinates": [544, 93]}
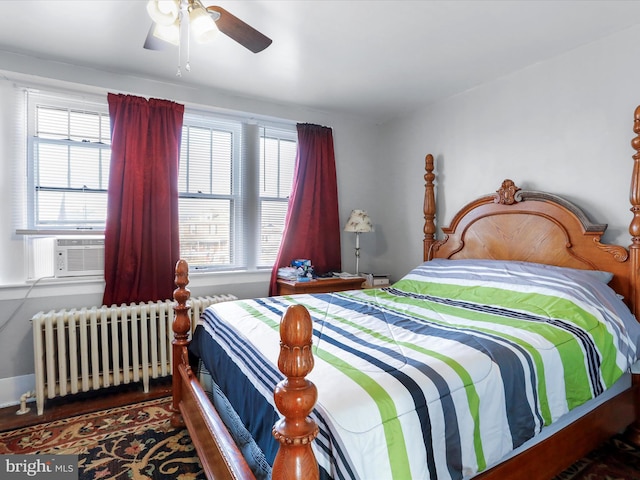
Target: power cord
{"type": "Point", "coordinates": [24, 299]}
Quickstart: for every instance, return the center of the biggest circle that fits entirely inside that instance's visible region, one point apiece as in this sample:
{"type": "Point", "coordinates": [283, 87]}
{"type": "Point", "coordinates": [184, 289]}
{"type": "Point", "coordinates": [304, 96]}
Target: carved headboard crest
{"type": "Point", "coordinates": [508, 193]}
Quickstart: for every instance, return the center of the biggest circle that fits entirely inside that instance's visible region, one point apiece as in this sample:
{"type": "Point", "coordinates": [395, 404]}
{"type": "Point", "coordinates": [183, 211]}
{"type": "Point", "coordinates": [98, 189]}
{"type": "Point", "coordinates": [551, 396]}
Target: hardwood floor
{"type": "Point", "coordinates": [83, 403]}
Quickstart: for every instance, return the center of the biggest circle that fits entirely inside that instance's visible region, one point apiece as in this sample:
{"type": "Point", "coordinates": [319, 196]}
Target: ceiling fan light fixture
{"type": "Point", "coordinates": [163, 12]}
{"type": "Point", "coordinates": [201, 24]}
{"type": "Point", "coordinates": [168, 33]}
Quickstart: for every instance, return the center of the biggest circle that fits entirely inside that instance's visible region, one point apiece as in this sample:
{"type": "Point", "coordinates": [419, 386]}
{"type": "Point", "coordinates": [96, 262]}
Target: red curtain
{"type": "Point", "coordinates": [312, 226]}
{"type": "Point", "coordinates": [142, 229]}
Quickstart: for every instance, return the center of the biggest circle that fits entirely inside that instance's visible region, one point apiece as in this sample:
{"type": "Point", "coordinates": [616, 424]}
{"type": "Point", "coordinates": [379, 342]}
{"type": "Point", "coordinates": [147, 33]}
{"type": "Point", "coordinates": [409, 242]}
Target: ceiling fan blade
{"type": "Point", "coordinates": [241, 32]}
{"type": "Point", "coordinates": [154, 43]}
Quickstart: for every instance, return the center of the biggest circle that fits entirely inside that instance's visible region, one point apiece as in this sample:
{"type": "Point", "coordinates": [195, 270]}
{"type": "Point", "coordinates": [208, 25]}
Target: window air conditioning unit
{"type": "Point", "coordinates": [79, 256]}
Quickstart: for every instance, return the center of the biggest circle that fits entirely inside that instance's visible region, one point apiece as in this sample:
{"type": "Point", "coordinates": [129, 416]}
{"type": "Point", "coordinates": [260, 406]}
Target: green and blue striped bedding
{"type": "Point", "coordinates": [439, 375]}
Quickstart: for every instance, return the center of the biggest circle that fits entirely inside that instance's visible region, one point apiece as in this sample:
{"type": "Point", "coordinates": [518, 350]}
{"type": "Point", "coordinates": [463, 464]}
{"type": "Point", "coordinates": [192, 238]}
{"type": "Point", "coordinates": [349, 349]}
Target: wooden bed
{"type": "Point", "coordinates": [512, 224]}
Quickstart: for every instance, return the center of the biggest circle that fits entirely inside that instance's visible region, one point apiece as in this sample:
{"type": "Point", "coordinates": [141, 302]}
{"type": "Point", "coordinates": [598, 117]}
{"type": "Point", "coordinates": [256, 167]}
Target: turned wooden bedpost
{"type": "Point", "coordinates": [633, 432]}
{"type": "Point", "coordinates": [634, 227]}
{"type": "Point", "coordinates": [429, 208]}
{"type": "Point", "coordinates": [295, 397]}
{"type": "Point", "coordinates": [181, 326]}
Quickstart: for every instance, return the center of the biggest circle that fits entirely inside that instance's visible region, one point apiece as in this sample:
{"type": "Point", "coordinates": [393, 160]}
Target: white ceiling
{"type": "Point", "coordinates": [378, 58]}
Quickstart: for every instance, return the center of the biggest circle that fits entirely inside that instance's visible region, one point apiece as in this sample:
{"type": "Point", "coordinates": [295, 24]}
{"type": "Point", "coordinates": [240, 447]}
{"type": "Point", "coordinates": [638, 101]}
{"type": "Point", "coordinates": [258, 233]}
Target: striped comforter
{"type": "Point", "coordinates": [439, 375]}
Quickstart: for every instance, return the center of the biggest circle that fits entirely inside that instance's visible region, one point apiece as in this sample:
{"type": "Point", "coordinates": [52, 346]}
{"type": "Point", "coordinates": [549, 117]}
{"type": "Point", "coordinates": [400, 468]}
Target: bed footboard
{"type": "Point", "coordinates": [294, 397]}
{"type": "Point", "coordinates": [218, 453]}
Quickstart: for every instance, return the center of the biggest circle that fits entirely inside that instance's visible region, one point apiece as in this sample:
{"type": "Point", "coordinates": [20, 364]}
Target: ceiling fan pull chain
{"type": "Point", "coordinates": [188, 64]}
{"type": "Point", "coordinates": [179, 72]}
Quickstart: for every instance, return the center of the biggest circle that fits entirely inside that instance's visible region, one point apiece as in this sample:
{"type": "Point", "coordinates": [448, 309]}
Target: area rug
{"type": "Point", "coordinates": [137, 442]}
{"type": "Point", "coordinates": [130, 442]}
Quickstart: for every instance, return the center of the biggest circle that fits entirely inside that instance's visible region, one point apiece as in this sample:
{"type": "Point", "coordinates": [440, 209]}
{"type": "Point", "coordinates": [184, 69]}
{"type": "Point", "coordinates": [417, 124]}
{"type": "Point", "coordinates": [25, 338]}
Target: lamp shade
{"type": "Point", "coordinates": [358, 222]}
{"type": "Point", "coordinates": [168, 33]}
{"type": "Point", "coordinates": [202, 25]}
{"type": "Point", "coordinates": [163, 12]}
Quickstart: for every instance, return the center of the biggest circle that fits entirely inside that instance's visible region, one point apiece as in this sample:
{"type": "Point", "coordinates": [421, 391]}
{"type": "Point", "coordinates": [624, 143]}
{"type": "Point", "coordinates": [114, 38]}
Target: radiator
{"type": "Point", "coordinates": [88, 349]}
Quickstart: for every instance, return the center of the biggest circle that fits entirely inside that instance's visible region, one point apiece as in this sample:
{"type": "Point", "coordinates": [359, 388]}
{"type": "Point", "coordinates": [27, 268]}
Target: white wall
{"type": "Point", "coordinates": [563, 126]}
{"type": "Point", "coordinates": [354, 149]}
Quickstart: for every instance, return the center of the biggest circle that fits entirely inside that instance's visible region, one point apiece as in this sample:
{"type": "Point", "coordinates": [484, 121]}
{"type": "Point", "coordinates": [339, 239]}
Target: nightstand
{"type": "Point", "coordinates": [325, 285]}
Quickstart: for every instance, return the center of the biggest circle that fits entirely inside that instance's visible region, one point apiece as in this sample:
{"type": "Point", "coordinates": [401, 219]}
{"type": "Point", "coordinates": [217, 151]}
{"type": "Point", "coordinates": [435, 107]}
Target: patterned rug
{"type": "Point", "coordinates": [137, 442]}
{"type": "Point", "coordinates": [130, 442]}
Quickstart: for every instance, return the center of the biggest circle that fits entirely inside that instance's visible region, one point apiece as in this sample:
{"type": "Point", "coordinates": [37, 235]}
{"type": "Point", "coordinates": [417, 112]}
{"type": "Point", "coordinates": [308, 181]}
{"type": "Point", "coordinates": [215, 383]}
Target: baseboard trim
{"type": "Point", "coordinates": [12, 388]}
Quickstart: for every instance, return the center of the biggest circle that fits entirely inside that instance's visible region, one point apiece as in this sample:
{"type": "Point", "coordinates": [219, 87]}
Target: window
{"type": "Point", "coordinates": [278, 150]}
{"type": "Point", "coordinates": [232, 194]}
{"type": "Point", "coordinates": [210, 200]}
{"type": "Point", "coordinates": [69, 168]}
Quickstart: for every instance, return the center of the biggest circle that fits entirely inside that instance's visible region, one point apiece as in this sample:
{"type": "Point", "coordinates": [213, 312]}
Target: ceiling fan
{"type": "Point", "coordinates": [203, 22]}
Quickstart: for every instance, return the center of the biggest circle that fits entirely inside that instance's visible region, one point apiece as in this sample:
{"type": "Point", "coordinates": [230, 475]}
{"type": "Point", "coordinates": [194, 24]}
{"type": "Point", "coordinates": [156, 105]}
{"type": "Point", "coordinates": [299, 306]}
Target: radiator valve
{"type": "Point", "coordinates": [23, 402]}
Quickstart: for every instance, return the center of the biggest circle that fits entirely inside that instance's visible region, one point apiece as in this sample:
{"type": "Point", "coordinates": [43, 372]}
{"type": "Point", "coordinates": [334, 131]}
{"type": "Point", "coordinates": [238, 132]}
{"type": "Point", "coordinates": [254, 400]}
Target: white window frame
{"type": "Point", "coordinates": [34, 99]}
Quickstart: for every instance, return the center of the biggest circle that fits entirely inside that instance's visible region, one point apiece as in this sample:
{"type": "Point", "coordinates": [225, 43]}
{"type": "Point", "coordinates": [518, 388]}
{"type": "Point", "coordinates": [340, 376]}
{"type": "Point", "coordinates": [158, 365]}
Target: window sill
{"type": "Point", "coordinates": [71, 286]}
{"type": "Point", "coordinates": [83, 231]}
{"type": "Point", "coordinates": [200, 278]}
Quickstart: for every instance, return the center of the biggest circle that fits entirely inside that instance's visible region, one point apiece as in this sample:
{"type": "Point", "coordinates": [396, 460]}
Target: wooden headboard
{"type": "Point", "coordinates": [516, 224]}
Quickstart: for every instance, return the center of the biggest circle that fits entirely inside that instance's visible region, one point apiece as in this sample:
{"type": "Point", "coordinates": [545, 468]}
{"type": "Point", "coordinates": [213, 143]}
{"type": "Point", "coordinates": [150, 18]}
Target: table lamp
{"type": "Point", "coordinates": [359, 222]}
